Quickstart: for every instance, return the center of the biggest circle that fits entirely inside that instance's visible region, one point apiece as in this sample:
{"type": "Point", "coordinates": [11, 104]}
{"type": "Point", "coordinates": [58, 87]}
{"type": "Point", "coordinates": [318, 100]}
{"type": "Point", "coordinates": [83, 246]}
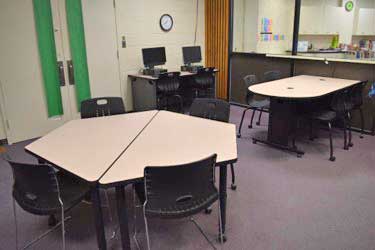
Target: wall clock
{"type": "Point", "coordinates": [166, 22]}
{"type": "Point", "coordinates": [349, 6]}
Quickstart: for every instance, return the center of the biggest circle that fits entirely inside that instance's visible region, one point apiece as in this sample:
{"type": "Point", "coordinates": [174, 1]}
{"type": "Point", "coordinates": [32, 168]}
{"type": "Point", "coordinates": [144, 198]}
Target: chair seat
{"type": "Point", "coordinates": [72, 191]}
{"type": "Point", "coordinates": [167, 207]}
{"type": "Point", "coordinates": [260, 104]}
{"type": "Point", "coordinates": [325, 115]}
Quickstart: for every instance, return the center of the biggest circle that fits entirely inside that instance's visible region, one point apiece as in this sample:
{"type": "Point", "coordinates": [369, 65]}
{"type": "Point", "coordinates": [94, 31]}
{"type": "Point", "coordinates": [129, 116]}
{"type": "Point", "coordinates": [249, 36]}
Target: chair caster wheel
{"type": "Point", "coordinates": [238, 135]}
{"type": "Point", "coordinates": [346, 148]}
{"type": "Point", "coordinates": [250, 126]}
{"type": "Point", "coordinates": [208, 210]}
{"type": "Point", "coordinates": [332, 158]}
{"type": "Point", "coordinates": [351, 144]}
{"type": "Point", "coordinates": [233, 187]}
{"type": "Point", "coordinates": [258, 123]}
{"type": "Point", "coordinates": [361, 136]}
{"type": "Point", "coordinates": [299, 156]}
{"type": "Point", "coordinates": [224, 238]}
{"type": "Point", "coordinates": [52, 221]}
{"type": "Point", "coordinates": [254, 142]}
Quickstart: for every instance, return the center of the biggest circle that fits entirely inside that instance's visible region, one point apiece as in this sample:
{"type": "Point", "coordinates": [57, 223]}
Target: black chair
{"type": "Point", "coordinates": [168, 86]}
{"type": "Point", "coordinates": [271, 75]}
{"type": "Point", "coordinates": [338, 111]}
{"type": "Point", "coordinates": [40, 190]}
{"type": "Point", "coordinates": [354, 102]}
{"type": "Point", "coordinates": [102, 106]}
{"type": "Point", "coordinates": [204, 82]}
{"type": "Point", "coordinates": [174, 192]}
{"type": "Point", "coordinates": [213, 109]}
{"type": "Point", "coordinates": [254, 102]}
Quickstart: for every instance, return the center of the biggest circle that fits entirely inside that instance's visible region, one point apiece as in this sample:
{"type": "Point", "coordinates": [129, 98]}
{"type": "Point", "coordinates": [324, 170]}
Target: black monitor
{"type": "Point", "coordinates": [153, 56]}
{"type": "Point", "coordinates": [192, 54]}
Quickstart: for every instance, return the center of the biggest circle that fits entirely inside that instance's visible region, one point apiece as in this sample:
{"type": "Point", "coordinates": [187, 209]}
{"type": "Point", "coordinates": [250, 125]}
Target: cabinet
{"type": "Point", "coordinates": [366, 22]}
{"type": "Point", "coordinates": [310, 22]}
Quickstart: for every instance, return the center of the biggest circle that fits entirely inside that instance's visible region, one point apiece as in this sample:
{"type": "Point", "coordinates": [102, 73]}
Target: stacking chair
{"type": "Point", "coordinates": [204, 82]}
{"type": "Point", "coordinates": [40, 190]}
{"type": "Point", "coordinates": [256, 103]}
{"type": "Point", "coordinates": [102, 106]}
{"type": "Point", "coordinates": [168, 86]}
{"type": "Point", "coordinates": [213, 109]}
{"type": "Point", "coordinates": [354, 102]}
{"type": "Point", "coordinates": [272, 75]}
{"type": "Point", "coordinates": [181, 191]}
{"type": "Point", "coordinates": [338, 111]}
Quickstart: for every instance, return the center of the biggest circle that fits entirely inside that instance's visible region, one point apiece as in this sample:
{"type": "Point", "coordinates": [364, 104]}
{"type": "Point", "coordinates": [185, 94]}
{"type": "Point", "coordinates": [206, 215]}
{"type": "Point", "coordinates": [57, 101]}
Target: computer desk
{"type": "Point", "coordinates": [113, 151]}
{"type": "Point", "coordinates": [285, 94]}
{"type": "Point", "coordinates": [144, 89]}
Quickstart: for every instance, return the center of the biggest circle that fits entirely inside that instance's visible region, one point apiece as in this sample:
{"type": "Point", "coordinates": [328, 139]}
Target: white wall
{"type": "Point", "coordinates": [138, 21]}
{"type": "Point", "coordinates": [238, 25]}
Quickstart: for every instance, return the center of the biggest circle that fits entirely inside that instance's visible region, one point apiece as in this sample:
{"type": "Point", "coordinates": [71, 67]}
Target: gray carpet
{"type": "Point", "coordinates": [282, 202]}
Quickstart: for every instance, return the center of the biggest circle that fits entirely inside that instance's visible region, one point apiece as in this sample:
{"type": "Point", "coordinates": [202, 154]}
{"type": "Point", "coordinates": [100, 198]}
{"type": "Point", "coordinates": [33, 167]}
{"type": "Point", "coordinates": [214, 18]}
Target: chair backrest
{"type": "Point", "coordinates": [102, 106]}
{"type": "Point", "coordinates": [356, 93]}
{"type": "Point", "coordinates": [338, 101]}
{"type": "Point", "coordinates": [249, 80]}
{"type": "Point", "coordinates": [214, 109]}
{"type": "Point", "coordinates": [272, 75]}
{"type": "Point", "coordinates": [180, 182]}
{"type": "Point", "coordinates": [168, 82]}
{"type": "Point", "coordinates": [34, 186]}
{"type": "Point", "coordinates": [205, 77]}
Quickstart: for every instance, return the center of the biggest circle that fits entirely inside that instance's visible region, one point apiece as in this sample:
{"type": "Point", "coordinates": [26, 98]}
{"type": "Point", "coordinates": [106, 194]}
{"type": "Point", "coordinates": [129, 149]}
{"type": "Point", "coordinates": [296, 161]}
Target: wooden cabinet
{"type": "Point", "coordinates": [366, 22]}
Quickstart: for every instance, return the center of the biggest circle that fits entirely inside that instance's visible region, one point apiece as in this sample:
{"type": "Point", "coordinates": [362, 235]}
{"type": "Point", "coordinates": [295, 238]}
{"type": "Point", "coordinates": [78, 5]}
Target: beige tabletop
{"type": "Point", "coordinates": [173, 138]}
{"type": "Point", "coordinates": [303, 86]}
{"type": "Point", "coordinates": [88, 147]}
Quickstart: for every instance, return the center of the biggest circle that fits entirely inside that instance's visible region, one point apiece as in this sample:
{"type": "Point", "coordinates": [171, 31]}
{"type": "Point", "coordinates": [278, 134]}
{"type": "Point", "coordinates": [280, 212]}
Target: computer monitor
{"type": "Point", "coordinates": [192, 54]}
{"type": "Point", "coordinates": [153, 56]}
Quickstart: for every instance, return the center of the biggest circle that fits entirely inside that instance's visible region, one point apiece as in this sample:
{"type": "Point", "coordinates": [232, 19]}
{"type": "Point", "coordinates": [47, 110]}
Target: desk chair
{"type": "Point", "coordinates": [256, 104]}
{"type": "Point", "coordinates": [102, 106]}
{"type": "Point", "coordinates": [272, 75]}
{"type": "Point", "coordinates": [355, 102]}
{"type": "Point", "coordinates": [213, 109]}
{"type": "Point", "coordinates": [40, 190]}
{"type": "Point", "coordinates": [174, 192]}
{"type": "Point", "coordinates": [204, 81]}
{"type": "Point", "coordinates": [337, 111]}
{"type": "Point", "coordinates": [168, 86]}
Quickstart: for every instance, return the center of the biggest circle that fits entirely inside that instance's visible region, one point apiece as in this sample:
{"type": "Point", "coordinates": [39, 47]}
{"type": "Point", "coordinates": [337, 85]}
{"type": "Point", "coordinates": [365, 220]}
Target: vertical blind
{"type": "Point", "coordinates": [217, 41]}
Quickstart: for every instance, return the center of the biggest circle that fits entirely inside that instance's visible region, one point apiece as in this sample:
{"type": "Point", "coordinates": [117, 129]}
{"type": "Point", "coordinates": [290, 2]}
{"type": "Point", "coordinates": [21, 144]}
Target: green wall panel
{"type": "Point", "coordinates": [78, 49]}
{"type": "Point", "coordinates": [47, 54]}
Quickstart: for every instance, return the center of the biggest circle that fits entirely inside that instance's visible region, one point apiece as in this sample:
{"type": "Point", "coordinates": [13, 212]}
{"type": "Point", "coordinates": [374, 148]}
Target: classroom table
{"type": "Point", "coordinates": [285, 94]}
{"type": "Point", "coordinates": [131, 142]}
{"type": "Point", "coordinates": [144, 89]}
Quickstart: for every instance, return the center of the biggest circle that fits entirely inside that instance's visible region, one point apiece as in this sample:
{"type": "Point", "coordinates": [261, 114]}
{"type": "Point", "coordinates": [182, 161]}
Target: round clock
{"type": "Point", "coordinates": [166, 22]}
{"type": "Point", "coordinates": [349, 6]}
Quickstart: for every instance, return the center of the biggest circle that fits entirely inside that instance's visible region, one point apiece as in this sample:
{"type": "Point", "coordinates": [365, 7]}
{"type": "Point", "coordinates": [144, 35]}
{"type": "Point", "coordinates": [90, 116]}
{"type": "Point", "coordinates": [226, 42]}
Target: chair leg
{"type": "Point", "coordinates": [146, 227]}
{"type": "Point", "coordinates": [221, 238]}
{"type": "Point", "coordinates": [135, 218]}
{"type": "Point", "coordinates": [362, 122]}
{"type": "Point", "coordinates": [233, 186]}
{"type": "Point", "coordinates": [260, 117]}
{"type": "Point", "coordinates": [373, 126]}
{"type": "Point", "coordinates": [242, 118]}
{"type": "Point", "coordinates": [346, 146]}
{"type": "Point", "coordinates": [62, 224]}
{"type": "Point", "coordinates": [181, 103]}
{"type": "Point", "coordinates": [332, 158]}
{"type": "Point", "coordinates": [350, 144]}
{"type": "Point", "coordinates": [252, 119]}
{"type": "Point", "coordinates": [15, 222]}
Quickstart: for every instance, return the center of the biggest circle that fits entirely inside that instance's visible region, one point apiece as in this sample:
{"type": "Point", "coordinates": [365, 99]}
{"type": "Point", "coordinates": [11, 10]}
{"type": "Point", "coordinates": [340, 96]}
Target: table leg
{"type": "Point", "coordinates": [223, 198]}
{"type": "Point", "coordinates": [122, 217]}
{"type": "Point", "coordinates": [98, 217]}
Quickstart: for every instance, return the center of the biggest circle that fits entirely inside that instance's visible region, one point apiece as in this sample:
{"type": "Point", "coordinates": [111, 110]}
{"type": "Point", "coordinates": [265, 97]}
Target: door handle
{"type": "Point", "coordinates": [60, 66]}
{"type": "Point", "coordinates": [71, 72]}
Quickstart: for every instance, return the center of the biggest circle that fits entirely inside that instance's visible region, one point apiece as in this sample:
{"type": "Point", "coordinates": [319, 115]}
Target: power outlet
{"type": "Point", "coordinates": [123, 42]}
